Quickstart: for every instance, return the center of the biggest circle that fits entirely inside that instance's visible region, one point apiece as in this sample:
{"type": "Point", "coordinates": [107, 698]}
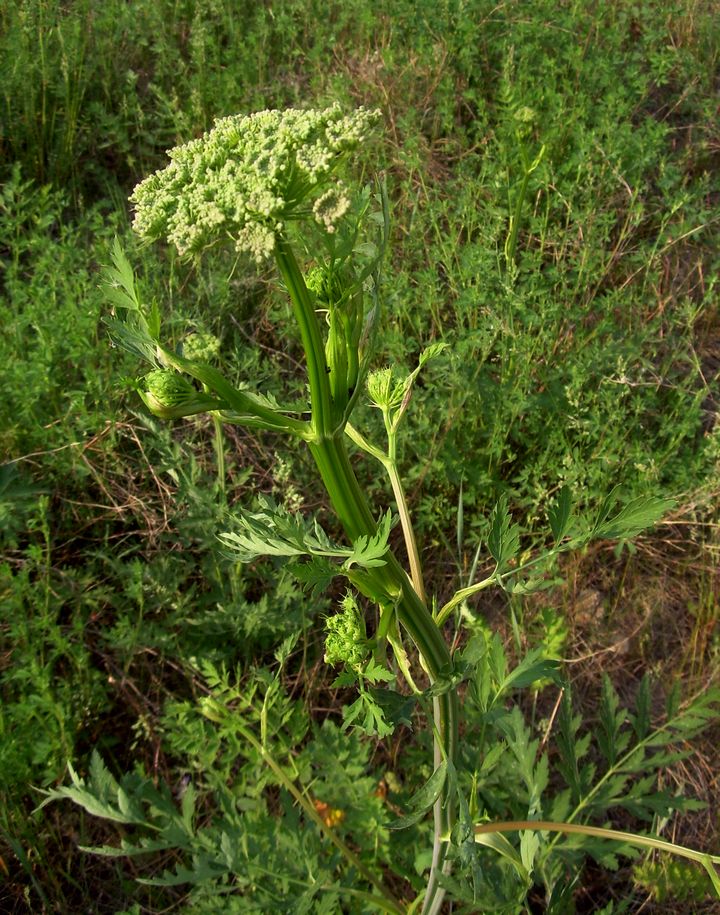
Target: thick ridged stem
{"type": "Point", "coordinates": [304, 312]}
{"type": "Point", "coordinates": [389, 582]}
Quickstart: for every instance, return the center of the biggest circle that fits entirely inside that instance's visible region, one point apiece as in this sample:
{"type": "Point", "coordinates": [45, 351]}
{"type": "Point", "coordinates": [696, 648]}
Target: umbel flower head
{"type": "Point", "coordinates": [248, 176]}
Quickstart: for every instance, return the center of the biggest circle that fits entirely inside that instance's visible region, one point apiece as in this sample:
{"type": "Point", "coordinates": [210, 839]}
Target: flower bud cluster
{"type": "Point", "coordinates": [169, 395]}
{"type": "Point", "coordinates": [248, 176]}
{"type": "Point", "coordinates": [346, 640]}
{"type": "Point", "coordinates": [201, 347]}
{"type": "Point", "coordinates": [342, 296]}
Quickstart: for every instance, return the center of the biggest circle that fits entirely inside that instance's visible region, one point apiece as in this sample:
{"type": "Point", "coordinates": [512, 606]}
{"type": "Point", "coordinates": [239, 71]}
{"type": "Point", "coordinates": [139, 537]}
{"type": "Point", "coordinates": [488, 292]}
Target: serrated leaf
{"type": "Point", "coordinates": [188, 808]}
{"type": "Point", "coordinates": [513, 585]}
{"type": "Point", "coordinates": [132, 338]}
{"type": "Point", "coordinates": [559, 514]}
{"type": "Point", "coordinates": [315, 575]}
{"type": "Point", "coordinates": [567, 744]}
{"type": "Point", "coordinates": [366, 715]}
{"type": "Point", "coordinates": [504, 537]}
{"type": "Point", "coordinates": [634, 517]}
{"type": "Point", "coordinates": [396, 707]}
{"type": "Point", "coordinates": [344, 679]}
{"type": "Point", "coordinates": [612, 717]}
{"type": "Point", "coordinates": [401, 391]}
{"type": "Point", "coordinates": [374, 672]}
{"type": "Point", "coordinates": [529, 847]}
{"type": "Point", "coordinates": [99, 798]}
{"type": "Point", "coordinates": [274, 531]}
{"type": "Point", "coordinates": [492, 757]}
{"type": "Point", "coordinates": [121, 276]}
{"type": "Point", "coordinates": [370, 552]}
{"type": "Point", "coordinates": [431, 352]}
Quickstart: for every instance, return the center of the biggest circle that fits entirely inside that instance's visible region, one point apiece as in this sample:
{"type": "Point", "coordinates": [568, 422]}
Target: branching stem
{"type": "Point", "coordinates": [385, 583]}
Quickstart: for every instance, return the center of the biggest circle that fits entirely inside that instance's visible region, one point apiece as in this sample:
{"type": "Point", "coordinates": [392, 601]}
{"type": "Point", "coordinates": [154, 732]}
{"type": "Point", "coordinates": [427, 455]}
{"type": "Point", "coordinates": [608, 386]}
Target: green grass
{"type": "Point", "coordinates": [589, 357]}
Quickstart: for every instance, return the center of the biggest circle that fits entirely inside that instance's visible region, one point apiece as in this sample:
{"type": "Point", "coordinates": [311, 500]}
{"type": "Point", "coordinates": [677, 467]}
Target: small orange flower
{"type": "Point", "coordinates": [331, 816]}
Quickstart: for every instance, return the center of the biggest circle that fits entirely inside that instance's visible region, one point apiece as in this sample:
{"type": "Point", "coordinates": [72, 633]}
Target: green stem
{"type": "Point", "coordinates": [528, 169]}
{"type": "Point", "coordinates": [511, 242]}
{"type": "Point", "coordinates": [460, 596]}
{"type": "Point", "coordinates": [390, 464]}
{"type": "Point", "coordinates": [463, 594]}
{"type": "Point", "coordinates": [405, 521]}
{"type": "Point", "coordinates": [245, 408]}
{"type": "Point", "coordinates": [304, 311]}
{"type": "Point", "coordinates": [599, 832]}
{"type": "Point", "coordinates": [390, 582]}
{"type": "Point", "coordinates": [219, 451]}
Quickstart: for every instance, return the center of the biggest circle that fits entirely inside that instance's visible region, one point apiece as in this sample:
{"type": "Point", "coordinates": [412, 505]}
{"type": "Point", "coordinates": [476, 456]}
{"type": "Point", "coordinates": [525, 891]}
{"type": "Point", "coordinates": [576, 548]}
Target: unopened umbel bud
{"type": "Point", "coordinates": [169, 395]}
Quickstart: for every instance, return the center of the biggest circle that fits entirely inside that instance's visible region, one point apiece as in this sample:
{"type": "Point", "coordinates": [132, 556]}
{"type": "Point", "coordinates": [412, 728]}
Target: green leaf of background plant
{"type": "Point", "coordinates": [559, 514]}
{"type": "Point", "coordinates": [634, 517]}
{"type": "Point", "coordinates": [504, 537]}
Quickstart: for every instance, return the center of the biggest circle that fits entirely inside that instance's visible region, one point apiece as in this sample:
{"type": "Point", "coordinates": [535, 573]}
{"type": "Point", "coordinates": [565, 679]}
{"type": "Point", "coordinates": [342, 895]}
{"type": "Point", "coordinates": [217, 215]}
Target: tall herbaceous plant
{"type": "Point", "coordinates": [268, 185]}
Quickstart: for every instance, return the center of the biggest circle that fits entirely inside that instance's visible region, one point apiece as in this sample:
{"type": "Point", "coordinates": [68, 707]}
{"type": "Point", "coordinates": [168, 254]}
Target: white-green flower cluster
{"type": "Point", "coordinates": [201, 347]}
{"type": "Point", "coordinates": [248, 176]}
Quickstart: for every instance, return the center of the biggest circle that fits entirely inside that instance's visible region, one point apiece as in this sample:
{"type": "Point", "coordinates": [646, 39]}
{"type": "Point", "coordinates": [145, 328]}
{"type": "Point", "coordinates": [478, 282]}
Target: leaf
{"type": "Point", "coordinates": [369, 552]}
{"type": "Point", "coordinates": [634, 517]}
{"type": "Point", "coordinates": [504, 537]}
{"type": "Point", "coordinates": [529, 847]}
{"type": "Point", "coordinates": [315, 575]}
{"type": "Point", "coordinates": [500, 844]}
{"type": "Point", "coordinates": [431, 352]}
{"type": "Point", "coordinates": [396, 707]}
{"type": "Point", "coordinates": [514, 585]}
{"type": "Point", "coordinates": [568, 746]}
{"type": "Point", "coordinates": [134, 339]}
{"type": "Point", "coordinates": [531, 669]}
{"type": "Point", "coordinates": [559, 514]}
{"type": "Point", "coordinates": [366, 715]}
{"type": "Point", "coordinates": [374, 672]}
{"type": "Point", "coordinates": [102, 797]}
{"type": "Point", "coordinates": [274, 531]}
{"type": "Point", "coordinates": [120, 279]}
{"type": "Point", "coordinates": [424, 799]}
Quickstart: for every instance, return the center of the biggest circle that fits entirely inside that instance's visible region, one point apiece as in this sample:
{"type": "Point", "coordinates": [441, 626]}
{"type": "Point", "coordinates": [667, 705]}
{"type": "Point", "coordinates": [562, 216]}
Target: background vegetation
{"type": "Point", "coordinates": [580, 301]}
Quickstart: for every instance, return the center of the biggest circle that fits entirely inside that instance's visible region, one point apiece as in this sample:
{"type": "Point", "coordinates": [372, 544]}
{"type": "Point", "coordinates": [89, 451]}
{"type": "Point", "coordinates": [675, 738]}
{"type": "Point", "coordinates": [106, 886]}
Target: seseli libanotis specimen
{"type": "Point", "coordinates": [268, 185]}
{"type": "Point", "coordinates": [255, 183]}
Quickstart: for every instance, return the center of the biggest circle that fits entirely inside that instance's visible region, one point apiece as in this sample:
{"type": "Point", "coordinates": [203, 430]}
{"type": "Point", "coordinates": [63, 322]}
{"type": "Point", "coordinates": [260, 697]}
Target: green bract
{"type": "Point", "coordinates": [248, 176]}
